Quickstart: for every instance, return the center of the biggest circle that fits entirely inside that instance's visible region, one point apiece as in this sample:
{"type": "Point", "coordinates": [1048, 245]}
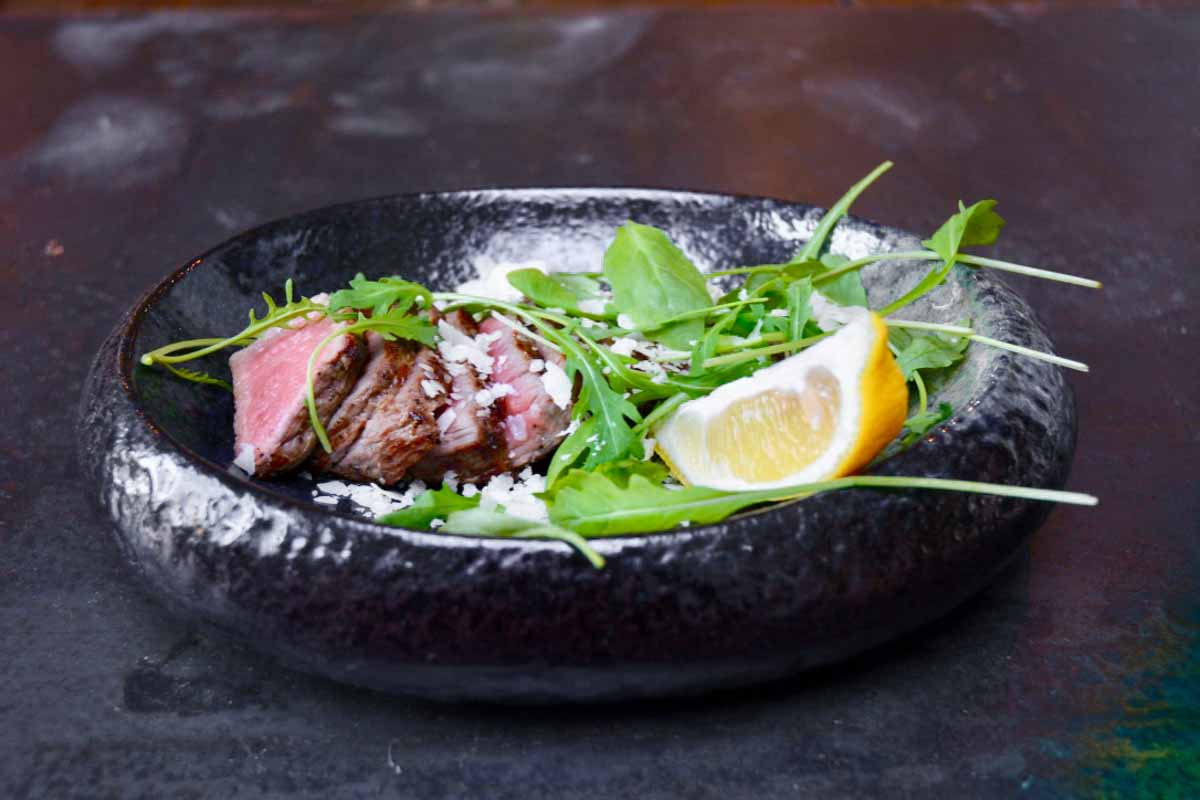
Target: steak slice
{"type": "Point", "coordinates": [389, 420]}
{"type": "Point", "coordinates": [470, 442]}
{"type": "Point", "coordinates": [269, 379]}
{"type": "Point", "coordinates": [533, 423]}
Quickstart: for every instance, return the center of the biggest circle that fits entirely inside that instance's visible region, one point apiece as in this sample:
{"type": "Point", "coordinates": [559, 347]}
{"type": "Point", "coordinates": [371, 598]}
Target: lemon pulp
{"type": "Point", "coordinates": [778, 432]}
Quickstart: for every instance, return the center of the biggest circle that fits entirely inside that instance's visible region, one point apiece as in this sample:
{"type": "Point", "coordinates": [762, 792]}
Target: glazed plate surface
{"type": "Point", "coordinates": [757, 597]}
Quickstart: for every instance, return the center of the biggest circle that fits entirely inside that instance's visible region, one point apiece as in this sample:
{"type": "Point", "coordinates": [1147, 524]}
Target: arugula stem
{"type": "Point", "coordinates": [1026, 351]}
{"type": "Point", "coordinates": [310, 400]}
{"type": "Point", "coordinates": [720, 273]}
{"type": "Point", "coordinates": [731, 343]}
{"type": "Point", "coordinates": [159, 356]}
{"type": "Point", "coordinates": [964, 258]}
{"type": "Point", "coordinates": [759, 352]}
{"type": "Point", "coordinates": [704, 312]}
{"type": "Point", "coordinates": [1021, 269]}
{"type": "Point", "coordinates": [521, 329]}
{"type": "Point", "coordinates": [812, 250]}
{"type": "Point", "coordinates": [661, 410]}
{"type": "Point", "coordinates": [954, 330]}
{"type": "Point", "coordinates": [922, 395]}
{"type": "Point", "coordinates": [569, 537]}
{"type": "Point", "coordinates": [250, 332]}
{"type": "Point", "coordinates": [859, 263]}
{"type": "Point", "coordinates": [972, 487]}
{"type": "Point", "coordinates": [623, 521]}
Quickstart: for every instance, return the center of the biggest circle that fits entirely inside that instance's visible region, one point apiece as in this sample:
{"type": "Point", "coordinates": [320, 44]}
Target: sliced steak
{"type": "Point", "coordinates": [533, 423]}
{"type": "Point", "coordinates": [389, 421]}
{"type": "Point", "coordinates": [470, 442]}
{"type": "Point", "coordinates": [269, 380]}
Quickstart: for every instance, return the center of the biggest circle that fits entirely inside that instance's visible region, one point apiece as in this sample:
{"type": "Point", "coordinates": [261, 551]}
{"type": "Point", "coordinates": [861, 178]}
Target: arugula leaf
{"type": "Point", "coordinates": [846, 289]}
{"type": "Point", "coordinates": [489, 522]}
{"type": "Point", "coordinates": [597, 505]}
{"type": "Point", "coordinates": [919, 424]}
{"type": "Point", "coordinates": [570, 450]}
{"type": "Point", "coordinates": [428, 506]}
{"type": "Point", "coordinates": [978, 224]}
{"type": "Point", "coordinates": [798, 307]}
{"type": "Point", "coordinates": [930, 352]}
{"type": "Point", "coordinates": [653, 281]}
{"type": "Point", "coordinates": [618, 472]}
{"type": "Point", "coordinates": [380, 295]}
{"type": "Point", "coordinates": [614, 437]}
{"type": "Point", "coordinates": [276, 317]}
{"type": "Point", "coordinates": [196, 376]}
{"type": "Point", "coordinates": [392, 324]}
{"type": "Point", "coordinates": [557, 290]}
{"type": "Point", "coordinates": [834, 215]}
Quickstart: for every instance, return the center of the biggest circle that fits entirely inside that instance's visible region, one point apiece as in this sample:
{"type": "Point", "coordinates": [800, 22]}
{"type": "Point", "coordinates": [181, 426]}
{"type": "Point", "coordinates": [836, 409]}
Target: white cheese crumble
{"type": "Point", "coordinates": [245, 459]}
{"type": "Point", "coordinates": [536, 365]}
{"type": "Point", "coordinates": [624, 346]}
{"type": "Point", "coordinates": [432, 388]}
{"type": "Point", "coordinates": [446, 419]}
{"type": "Point", "coordinates": [516, 496]}
{"type": "Point", "coordinates": [367, 496]}
{"type": "Point", "coordinates": [778, 312]}
{"type": "Point", "coordinates": [457, 348]}
{"type": "Point", "coordinates": [557, 384]}
{"type": "Point", "coordinates": [485, 397]}
{"type": "Point", "coordinates": [625, 321]}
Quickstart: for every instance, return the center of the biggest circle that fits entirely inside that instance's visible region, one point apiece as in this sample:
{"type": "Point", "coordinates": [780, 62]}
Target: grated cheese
{"type": "Point", "coordinates": [557, 385]}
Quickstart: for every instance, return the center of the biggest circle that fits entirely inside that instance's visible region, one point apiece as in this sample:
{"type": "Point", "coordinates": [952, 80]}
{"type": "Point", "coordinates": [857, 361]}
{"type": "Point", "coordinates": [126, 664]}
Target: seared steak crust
{"type": "Point", "coordinates": [389, 420]}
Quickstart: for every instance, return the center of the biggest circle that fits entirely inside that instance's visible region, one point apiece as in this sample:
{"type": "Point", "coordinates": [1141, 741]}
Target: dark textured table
{"type": "Point", "coordinates": [129, 144]}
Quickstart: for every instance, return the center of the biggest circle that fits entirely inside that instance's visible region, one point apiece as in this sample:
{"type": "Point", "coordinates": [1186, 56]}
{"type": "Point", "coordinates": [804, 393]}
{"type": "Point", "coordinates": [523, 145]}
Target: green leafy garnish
{"type": "Point", "coordinates": [975, 225]}
{"type": "Point", "coordinates": [920, 423]}
{"type": "Point", "coordinates": [382, 296]}
{"type": "Point", "coordinates": [428, 506]}
{"type": "Point", "coordinates": [798, 307]}
{"type": "Point", "coordinates": [195, 376]}
{"type": "Point", "coordinates": [571, 450]}
{"type": "Point", "coordinates": [601, 480]}
{"type": "Point", "coordinates": [834, 215]}
{"type": "Point", "coordinates": [595, 504]}
{"type": "Point", "coordinates": [483, 522]}
{"type": "Point", "coordinates": [921, 351]}
{"type": "Point", "coordinates": [562, 290]}
{"type": "Point", "coordinates": [653, 281]}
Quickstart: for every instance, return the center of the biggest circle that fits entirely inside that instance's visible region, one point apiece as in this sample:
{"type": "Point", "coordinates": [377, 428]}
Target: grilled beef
{"type": "Point", "coordinates": [389, 421]}
{"type": "Point", "coordinates": [269, 379]}
{"type": "Point", "coordinates": [470, 442]}
{"type": "Point", "coordinates": [533, 424]}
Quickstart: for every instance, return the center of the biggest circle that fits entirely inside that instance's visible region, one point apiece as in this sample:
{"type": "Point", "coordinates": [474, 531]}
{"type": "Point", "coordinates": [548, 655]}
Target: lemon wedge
{"type": "Point", "coordinates": [820, 414]}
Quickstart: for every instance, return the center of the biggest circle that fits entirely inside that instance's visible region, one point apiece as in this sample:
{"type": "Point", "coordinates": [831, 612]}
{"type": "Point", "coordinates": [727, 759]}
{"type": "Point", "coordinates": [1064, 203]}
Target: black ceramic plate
{"type": "Point", "coordinates": [757, 597]}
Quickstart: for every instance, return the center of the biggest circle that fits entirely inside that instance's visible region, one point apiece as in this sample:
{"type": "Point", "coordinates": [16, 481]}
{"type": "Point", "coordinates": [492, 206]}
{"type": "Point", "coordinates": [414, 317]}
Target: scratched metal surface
{"type": "Point", "coordinates": [129, 144]}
